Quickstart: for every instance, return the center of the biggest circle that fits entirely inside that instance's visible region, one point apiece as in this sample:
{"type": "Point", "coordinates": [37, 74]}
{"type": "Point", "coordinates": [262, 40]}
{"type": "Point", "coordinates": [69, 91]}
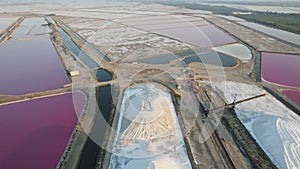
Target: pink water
{"type": "Point", "coordinates": [29, 66]}
{"type": "Point", "coordinates": [293, 95]}
{"type": "Point", "coordinates": [34, 134]}
{"type": "Point", "coordinates": [157, 18]}
{"type": "Point", "coordinates": [30, 63]}
{"type": "Point", "coordinates": [281, 69]}
{"type": "Point", "coordinates": [27, 33]}
{"type": "Point", "coordinates": [203, 36]}
{"type": "Point", "coordinates": [2, 27]}
{"type": "Point", "coordinates": [172, 25]}
{"type": "Point", "coordinates": [5, 22]}
{"type": "Point", "coordinates": [161, 21]}
{"type": "Point", "coordinates": [30, 28]}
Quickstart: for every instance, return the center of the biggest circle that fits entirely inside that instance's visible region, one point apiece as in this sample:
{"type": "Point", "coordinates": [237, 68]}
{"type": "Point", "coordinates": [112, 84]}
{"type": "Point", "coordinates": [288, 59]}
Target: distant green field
{"type": "Point", "coordinates": [258, 3]}
{"type": "Point", "coordinates": [216, 9]}
{"type": "Point", "coordinates": [288, 22]}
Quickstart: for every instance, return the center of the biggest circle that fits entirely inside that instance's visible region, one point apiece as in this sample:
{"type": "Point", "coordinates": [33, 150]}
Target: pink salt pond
{"type": "Point", "coordinates": [281, 69]}
{"type": "Point", "coordinates": [28, 66]}
{"type": "Point", "coordinates": [293, 95]}
{"type": "Point", "coordinates": [203, 36]}
{"type": "Point", "coordinates": [35, 133]}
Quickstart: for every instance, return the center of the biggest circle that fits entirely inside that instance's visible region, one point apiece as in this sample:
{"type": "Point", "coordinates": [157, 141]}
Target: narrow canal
{"type": "Point", "coordinates": [73, 47]}
{"type": "Point", "coordinates": [258, 67]}
{"type": "Point", "coordinates": [90, 46]}
{"type": "Point", "coordinates": [90, 154]}
{"type": "Point", "coordinates": [104, 93]}
{"type": "Point", "coordinates": [91, 151]}
{"type": "Point", "coordinates": [76, 50]}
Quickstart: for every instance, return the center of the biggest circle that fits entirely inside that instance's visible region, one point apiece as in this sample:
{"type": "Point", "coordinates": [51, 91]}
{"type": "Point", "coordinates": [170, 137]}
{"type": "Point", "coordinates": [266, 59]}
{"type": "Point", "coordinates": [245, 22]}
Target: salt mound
{"type": "Point", "coordinates": [165, 163]}
{"type": "Point", "coordinates": [151, 147]}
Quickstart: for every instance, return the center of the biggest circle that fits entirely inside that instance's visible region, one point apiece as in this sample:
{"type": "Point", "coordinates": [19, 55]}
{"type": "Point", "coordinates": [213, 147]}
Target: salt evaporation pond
{"type": "Point", "coordinates": [31, 28]}
{"type": "Point", "coordinates": [30, 66]}
{"type": "Point", "coordinates": [86, 14]}
{"type": "Point", "coordinates": [213, 58]}
{"type": "Point", "coordinates": [293, 95]}
{"type": "Point", "coordinates": [161, 21]}
{"type": "Point", "coordinates": [167, 58]}
{"type": "Point", "coordinates": [236, 50]}
{"type": "Point", "coordinates": [152, 22]}
{"type": "Point", "coordinates": [281, 34]}
{"type": "Point", "coordinates": [3, 25]}
{"type": "Point", "coordinates": [204, 36]}
{"type": "Point", "coordinates": [203, 55]}
{"type": "Point", "coordinates": [5, 22]}
{"type": "Point", "coordinates": [281, 69]}
{"type": "Point", "coordinates": [154, 18]}
{"type": "Point", "coordinates": [173, 25]}
{"type": "Point", "coordinates": [35, 133]}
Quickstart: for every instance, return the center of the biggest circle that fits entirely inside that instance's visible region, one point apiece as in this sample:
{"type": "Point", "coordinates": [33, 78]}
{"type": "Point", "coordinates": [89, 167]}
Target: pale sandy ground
{"type": "Point", "coordinates": [154, 137]}
{"type": "Point", "coordinates": [272, 124]}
